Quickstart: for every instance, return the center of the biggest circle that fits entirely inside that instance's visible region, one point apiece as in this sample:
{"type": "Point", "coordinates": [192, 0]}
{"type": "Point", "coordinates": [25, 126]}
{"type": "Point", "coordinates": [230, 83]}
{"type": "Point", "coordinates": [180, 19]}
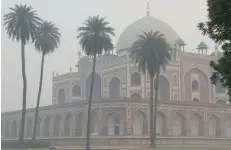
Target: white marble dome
{"type": "Point", "coordinates": [147, 23]}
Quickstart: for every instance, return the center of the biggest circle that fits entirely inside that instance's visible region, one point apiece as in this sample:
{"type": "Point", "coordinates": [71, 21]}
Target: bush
{"type": "Point", "coordinates": [25, 144]}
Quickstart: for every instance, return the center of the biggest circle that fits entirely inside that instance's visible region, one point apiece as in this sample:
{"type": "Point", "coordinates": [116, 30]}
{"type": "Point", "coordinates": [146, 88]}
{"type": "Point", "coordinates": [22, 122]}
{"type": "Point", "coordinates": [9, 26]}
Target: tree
{"type": "Point", "coordinates": [46, 40]}
{"type": "Point", "coordinates": [20, 24]}
{"type": "Point", "coordinates": [94, 38]}
{"type": "Point", "coordinates": [151, 52]}
{"type": "Point", "coordinates": [218, 28]}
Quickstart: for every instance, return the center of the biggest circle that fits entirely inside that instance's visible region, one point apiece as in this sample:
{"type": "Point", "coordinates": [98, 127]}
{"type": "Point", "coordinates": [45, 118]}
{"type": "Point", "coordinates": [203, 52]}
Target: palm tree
{"type": "Point", "coordinates": [95, 37]}
{"type": "Point", "coordinates": [46, 40]}
{"type": "Point", "coordinates": [151, 52]}
{"type": "Point", "coordinates": [20, 24]}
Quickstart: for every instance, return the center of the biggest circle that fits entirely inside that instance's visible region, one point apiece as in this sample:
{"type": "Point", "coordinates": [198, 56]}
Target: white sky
{"type": "Point", "coordinates": [182, 15]}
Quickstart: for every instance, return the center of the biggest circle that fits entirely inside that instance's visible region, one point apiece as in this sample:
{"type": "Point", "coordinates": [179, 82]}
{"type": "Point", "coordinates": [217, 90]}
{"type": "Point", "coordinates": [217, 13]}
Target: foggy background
{"type": "Point", "coordinates": [182, 15]}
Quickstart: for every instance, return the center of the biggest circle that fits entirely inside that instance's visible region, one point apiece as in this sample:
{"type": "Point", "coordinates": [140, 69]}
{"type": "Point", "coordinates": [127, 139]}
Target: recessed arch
{"type": "Point", "coordinates": [220, 101]}
{"type": "Point", "coordinates": [163, 88]}
{"type": "Point", "coordinates": [214, 126]}
{"type": "Point", "coordinates": [140, 123]}
{"type": "Point", "coordinates": [135, 79]}
{"type": "Point", "coordinates": [135, 96]}
{"type": "Point", "coordinates": [94, 123]}
{"type": "Point", "coordinates": [115, 124]}
{"type": "Point", "coordinates": [14, 128]}
{"type": "Point", "coordinates": [179, 124]}
{"type": "Point", "coordinates": [38, 127]}
{"type": "Point", "coordinates": [96, 95]}
{"type": "Point", "coordinates": [2, 129]}
{"type": "Point", "coordinates": [228, 126]}
{"type": "Point", "coordinates": [197, 125]}
{"type": "Point", "coordinates": [7, 129]}
{"type": "Point", "coordinates": [46, 130]}
{"type": "Point", "coordinates": [76, 91]}
{"type": "Point", "coordinates": [79, 124]}
{"type": "Point", "coordinates": [114, 88]}
{"type": "Point", "coordinates": [67, 125]}
{"type": "Point", "coordinates": [161, 124]}
{"type": "Point", "coordinates": [61, 96]}
{"type": "Point", "coordinates": [57, 121]}
{"type": "Point", "coordinates": [29, 127]}
{"type": "Point", "coordinates": [203, 86]}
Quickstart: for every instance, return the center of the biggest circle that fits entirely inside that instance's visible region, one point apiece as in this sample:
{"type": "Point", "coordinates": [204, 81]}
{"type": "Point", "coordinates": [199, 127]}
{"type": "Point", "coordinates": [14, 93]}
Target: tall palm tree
{"type": "Point", "coordinates": [46, 40]}
{"type": "Point", "coordinates": [151, 52]}
{"type": "Point", "coordinates": [20, 24]}
{"type": "Point", "coordinates": [94, 38]}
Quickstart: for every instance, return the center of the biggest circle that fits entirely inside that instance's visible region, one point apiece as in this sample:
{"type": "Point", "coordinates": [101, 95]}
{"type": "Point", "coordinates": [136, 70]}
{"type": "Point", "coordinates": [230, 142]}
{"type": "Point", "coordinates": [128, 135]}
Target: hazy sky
{"type": "Point", "coordinates": [182, 15]}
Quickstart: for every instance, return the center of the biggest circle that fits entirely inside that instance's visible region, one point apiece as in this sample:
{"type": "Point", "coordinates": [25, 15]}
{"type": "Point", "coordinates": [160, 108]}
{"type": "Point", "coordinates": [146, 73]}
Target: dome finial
{"type": "Point", "coordinates": [148, 9]}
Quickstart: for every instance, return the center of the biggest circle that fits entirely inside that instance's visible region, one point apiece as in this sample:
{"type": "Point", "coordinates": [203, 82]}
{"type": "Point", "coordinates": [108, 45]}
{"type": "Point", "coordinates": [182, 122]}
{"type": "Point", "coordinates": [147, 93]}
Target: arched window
{"type": "Point", "coordinates": [114, 88]}
{"type": "Point", "coordinates": [195, 86]}
{"type": "Point", "coordinates": [135, 79]}
{"type": "Point", "coordinates": [76, 91]}
{"type": "Point", "coordinates": [195, 100]}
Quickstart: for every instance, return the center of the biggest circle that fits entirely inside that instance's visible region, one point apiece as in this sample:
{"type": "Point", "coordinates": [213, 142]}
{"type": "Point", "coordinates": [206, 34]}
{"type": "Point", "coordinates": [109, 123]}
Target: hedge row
{"type": "Point", "coordinates": [25, 144]}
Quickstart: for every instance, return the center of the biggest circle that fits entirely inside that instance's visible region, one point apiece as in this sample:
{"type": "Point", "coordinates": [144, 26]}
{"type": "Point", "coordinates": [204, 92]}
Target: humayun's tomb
{"type": "Point", "coordinates": [190, 109]}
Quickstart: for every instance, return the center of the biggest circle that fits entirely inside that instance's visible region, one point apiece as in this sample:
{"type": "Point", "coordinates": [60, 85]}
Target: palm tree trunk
{"type": "Point", "coordinates": [89, 104]}
{"type": "Point", "coordinates": [38, 99]}
{"type": "Point", "coordinates": [155, 109]}
{"type": "Point", "coordinates": [21, 137]}
{"type": "Point", "coordinates": [151, 112]}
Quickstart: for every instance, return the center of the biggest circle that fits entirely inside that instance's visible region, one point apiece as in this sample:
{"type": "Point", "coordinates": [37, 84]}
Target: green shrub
{"type": "Point", "coordinates": [25, 144]}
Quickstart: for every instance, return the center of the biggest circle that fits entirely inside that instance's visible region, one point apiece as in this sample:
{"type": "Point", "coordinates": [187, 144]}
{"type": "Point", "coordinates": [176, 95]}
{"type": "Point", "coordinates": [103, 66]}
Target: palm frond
{"type": "Point", "coordinates": [95, 35]}
{"type": "Point", "coordinates": [150, 51]}
{"type": "Point", "coordinates": [46, 38]}
{"type": "Point", "coordinates": [21, 22]}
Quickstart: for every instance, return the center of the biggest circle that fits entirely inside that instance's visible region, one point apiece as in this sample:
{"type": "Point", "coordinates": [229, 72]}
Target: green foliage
{"type": "Point", "coordinates": [21, 23]}
{"type": "Point", "coordinates": [95, 36]}
{"type": "Point", "coordinates": [25, 144]}
{"type": "Point", "coordinates": [218, 28]}
{"type": "Point", "coordinates": [47, 37]}
{"type": "Point", "coordinates": [150, 52]}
